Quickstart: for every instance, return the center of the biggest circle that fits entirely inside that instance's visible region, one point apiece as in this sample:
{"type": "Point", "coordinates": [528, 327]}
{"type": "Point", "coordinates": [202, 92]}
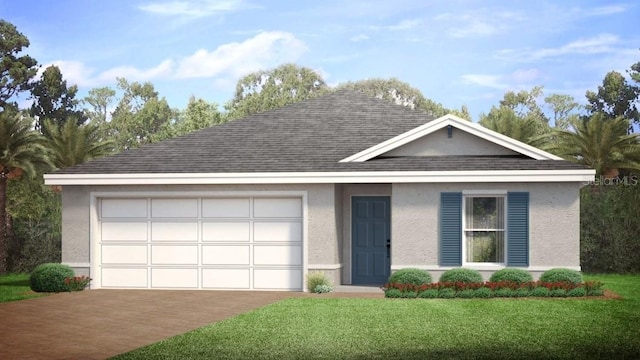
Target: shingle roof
{"type": "Point", "coordinates": [309, 136]}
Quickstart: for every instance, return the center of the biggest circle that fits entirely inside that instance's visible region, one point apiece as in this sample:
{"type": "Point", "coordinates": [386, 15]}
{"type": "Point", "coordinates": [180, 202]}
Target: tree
{"type": "Point", "coordinates": [141, 116]}
{"type": "Point", "coordinates": [599, 142]}
{"type": "Point", "coordinates": [563, 108]}
{"type": "Point", "coordinates": [199, 114]}
{"type": "Point", "coordinates": [22, 151]}
{"type": "Point", "coordinates": [400, 93]}
{"type": "Point", "coordinates": [615, 98]}
{"type": "Point", "coordinates": [504, 120]}
{"type": "Point", "coordinates": [53, 100]}
{"type": "Point", "coordinates": [15, 71]}
{"type": "Point", "coordinates": [72, 144]}
{"type": "Point", "coordinates": [269, 89]}
{"type": "Point", "coordinates": [99, 100]}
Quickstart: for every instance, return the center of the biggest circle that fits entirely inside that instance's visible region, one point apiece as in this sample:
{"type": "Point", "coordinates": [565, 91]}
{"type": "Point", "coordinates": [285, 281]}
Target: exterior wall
{"type": "Point", "coordinates": [324, 232]}
{"type": "Point", "coordinates": [554, 224]}
{"type": "Point", "coordinates": [350, 190]}
{"type": "Point", "coordinates": [439, 143]}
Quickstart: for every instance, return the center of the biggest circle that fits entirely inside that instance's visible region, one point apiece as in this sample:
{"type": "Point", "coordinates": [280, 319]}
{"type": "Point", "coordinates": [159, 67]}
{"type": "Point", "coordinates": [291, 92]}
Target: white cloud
{"type": "Point", "coordinates": [75, 72]}
{"type": "Point", "coordinates": [164, 69]}
{"type": "Point", "coordinates": [199, 8]}
{"type": "Point", "coordinates": [521, 78]}
{"type": "Point", "coordinates": [478, 23]}
{"type": "Point", "coordinates": [404, 25]}
{"type": "Point", "coordinates": [264, 50]}
{"type": "Point", "coordinates": [359, 37]}
{"type": "Point", "coordinates": [484, 80]}
{"type": "Point", "coordinates": [603, 10]}
{"type": "Point", "coordinates": [602, 43]}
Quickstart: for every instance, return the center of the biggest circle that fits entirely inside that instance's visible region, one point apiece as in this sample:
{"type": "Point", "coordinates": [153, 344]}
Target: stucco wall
{"type": "Point", "coordinates": [323, 245]}
{"type": "Point", "coordinates": [460, 143]}
{"type": "Point", "coordinates": [553, 223]}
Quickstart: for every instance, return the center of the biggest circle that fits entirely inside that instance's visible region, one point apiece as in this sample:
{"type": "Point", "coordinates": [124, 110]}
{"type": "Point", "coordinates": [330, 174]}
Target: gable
{"type": "Point", "coordinates": [453, 142]}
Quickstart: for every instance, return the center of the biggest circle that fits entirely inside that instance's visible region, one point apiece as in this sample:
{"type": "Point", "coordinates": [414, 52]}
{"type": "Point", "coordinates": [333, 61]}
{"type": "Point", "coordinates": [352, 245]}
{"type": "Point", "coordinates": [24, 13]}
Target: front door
{"type": "Point", "coordinates": [370, 239]}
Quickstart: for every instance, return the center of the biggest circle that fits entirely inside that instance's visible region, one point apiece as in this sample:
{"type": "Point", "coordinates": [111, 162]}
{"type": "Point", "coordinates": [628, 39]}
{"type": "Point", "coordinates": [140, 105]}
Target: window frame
{"type": "Point", "coordinates": [468, 195]}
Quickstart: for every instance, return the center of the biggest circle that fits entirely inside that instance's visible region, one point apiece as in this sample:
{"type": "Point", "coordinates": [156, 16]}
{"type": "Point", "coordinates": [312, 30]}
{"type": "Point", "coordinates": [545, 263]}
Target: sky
{"type": "Point", "coordinates": [457, 52]}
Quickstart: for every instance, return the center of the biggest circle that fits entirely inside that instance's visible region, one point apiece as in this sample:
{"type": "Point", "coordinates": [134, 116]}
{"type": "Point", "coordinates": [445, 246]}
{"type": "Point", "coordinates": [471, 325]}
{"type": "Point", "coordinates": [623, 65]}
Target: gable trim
{"type": "Point", "coordinates": [461, 124]}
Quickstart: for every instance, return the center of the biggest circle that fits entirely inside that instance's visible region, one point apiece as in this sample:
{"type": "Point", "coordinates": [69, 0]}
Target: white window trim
{"type": "Point", "coordinates": [470, 194]}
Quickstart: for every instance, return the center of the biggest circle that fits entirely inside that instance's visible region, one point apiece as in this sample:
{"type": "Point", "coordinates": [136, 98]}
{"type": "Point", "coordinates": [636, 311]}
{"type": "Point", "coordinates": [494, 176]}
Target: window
{"type": "Point", "coordinates": [484, 229]}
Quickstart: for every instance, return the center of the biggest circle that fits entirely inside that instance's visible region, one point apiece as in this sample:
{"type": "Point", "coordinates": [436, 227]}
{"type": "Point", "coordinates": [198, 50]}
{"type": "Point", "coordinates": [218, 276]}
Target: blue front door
{"type": "Point", "coordinates": [370, 239]}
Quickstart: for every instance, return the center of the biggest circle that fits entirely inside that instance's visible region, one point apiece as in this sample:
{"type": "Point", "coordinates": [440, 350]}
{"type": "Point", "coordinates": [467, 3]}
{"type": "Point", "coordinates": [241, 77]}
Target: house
{"type": "Point", "coordinates": [346, 184]}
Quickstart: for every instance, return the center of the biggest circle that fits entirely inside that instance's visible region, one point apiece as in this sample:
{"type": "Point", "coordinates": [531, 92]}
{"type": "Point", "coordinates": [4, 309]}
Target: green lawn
{"type": "Point", "coordinates": [16, 287]}
{"type": "Point", "coordinates": [330, 328]}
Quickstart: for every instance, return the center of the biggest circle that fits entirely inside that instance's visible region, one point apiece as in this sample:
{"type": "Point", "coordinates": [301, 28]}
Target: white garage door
{"type": "Point", "coordinates": [201, 243]}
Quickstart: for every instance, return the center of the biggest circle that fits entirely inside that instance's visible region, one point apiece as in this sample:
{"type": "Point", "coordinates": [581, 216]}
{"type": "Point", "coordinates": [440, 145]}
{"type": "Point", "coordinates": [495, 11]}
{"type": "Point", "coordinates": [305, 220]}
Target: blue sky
{"type": "Point", "coordinates": [456, 52]}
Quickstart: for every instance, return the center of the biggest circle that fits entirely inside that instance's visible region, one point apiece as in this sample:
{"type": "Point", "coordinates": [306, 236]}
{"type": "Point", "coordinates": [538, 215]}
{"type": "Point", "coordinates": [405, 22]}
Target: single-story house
{"type": "Point", "coordinates": [346, 184]}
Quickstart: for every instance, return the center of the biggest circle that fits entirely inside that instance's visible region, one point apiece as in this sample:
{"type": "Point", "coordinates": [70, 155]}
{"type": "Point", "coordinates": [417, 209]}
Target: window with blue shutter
{"type": "Point", "coordinates": [518, 229]}
{"type": "Point", "coordinates": [451, 229]}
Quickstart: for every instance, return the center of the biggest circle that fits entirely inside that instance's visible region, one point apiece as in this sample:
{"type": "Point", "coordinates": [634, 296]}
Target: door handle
{"type": "Point", "coordinates": [388, 247]}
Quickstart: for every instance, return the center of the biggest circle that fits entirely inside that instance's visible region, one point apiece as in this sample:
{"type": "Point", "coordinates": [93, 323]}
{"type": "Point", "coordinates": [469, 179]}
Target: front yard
{"type": "Point", "coordinates": [16, 287]}
{"type": "Point", "coordinates": [333, 328]}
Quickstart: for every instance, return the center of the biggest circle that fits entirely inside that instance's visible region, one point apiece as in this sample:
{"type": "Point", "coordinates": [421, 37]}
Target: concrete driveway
{"type": "Point", "coordinates": [96, 324]}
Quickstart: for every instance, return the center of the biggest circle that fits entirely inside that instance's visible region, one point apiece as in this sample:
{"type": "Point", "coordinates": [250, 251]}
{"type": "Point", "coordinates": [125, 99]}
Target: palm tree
{"type": "Point", "coordinates": [506, 122]}
{"type": "Point", "coordinates": [598, 142]}
{"type": "Point", "coordinates": [22, 150]}
{"type": "Point", "coordinates": [73, 144]}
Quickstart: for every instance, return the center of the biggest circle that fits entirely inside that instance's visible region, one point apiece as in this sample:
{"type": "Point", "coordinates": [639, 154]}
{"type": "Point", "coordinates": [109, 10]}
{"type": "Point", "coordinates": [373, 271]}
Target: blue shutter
{"type": "Point", "coordinates": [518, 229]}
{"type": "Point", "coordinates": [451, 229]}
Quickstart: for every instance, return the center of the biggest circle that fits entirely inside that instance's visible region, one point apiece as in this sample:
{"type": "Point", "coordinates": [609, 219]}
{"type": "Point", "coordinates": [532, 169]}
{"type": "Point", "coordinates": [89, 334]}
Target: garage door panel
{"type": "Point", "coordinates": [174, 208]}
{"type": "Point", "coordinates": [226, 231]}
{"type": "Point", "coordinates": [226, 278]}
{"type": "Point", "coordinates": [277, 231]}
{"type": "Point", "coordinates": [278, 279]}
{"type": "Point", "coordinates": [226, 208]}
{"type": "Point", "coordinates": [124, 231]}
{"type": "Point", "coordinates": [277, 208]}
{"type": "Point", "coordinates": [124, 254]}
{"type": "Point", "coordinates": [174, 255]}
{"type": "Point", "coordinates": [174, 278]}
{"type": "Point", "coordinates": [123, 208]}
{"type": "Point", "coordinates": [277, 255]}
{"type": "Point", "coordinates": [225, 255]}
{"type": "Point", "coordinates": [174, 231]}
{"type": "Point", "coordinates": [117, 277]}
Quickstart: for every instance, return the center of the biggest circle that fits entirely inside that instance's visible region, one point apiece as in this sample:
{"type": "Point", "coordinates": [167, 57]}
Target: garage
{"type": "Point", "coordinates": [243, 243]}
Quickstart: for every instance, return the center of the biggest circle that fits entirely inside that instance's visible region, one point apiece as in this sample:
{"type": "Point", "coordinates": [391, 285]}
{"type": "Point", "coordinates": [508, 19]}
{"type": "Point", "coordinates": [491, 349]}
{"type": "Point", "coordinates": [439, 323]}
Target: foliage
{"type": "Point", "coordinates": [427, 294]}
{"type": "Point", "coordinates": [77, 283]}
{"type": "Point", "coordinates": [269, 89]}
{"type": "Point", "coordinates": [199, 114]}
{"type": "Point", "coordinates": [50, 277]}
{"type": "Point", "coordinates": [616, 98]}
{"type": "Point", "coordinates": [317, 278]}
{"type": "Point", "coordinates": [53, 101]}
{"type": "Point", "coordinates": [511, 274]}
{"type": "Point", "coordinates": [484, 293]}
{"type": "Point", "coordinates": [466, 294]}
{"type": "Point", "coordinates": [446, 293]}
{"type": "Point", "coordinates": [461, 275]}
{"type": "Point", "coordinates": [577, 292]}
{"type": "Point", "coordinates": [16, 287]}
{"type": "Point", "coordinates": [563, 108]}
{"type": "Point", "coordinates": [540, 292]}
{"type": "Point", "coordinates": [598, 142]}
{"type": "Point", "coordinates": [16, 70]}
{"type": "Point", "coordinates": [504, 292]}
{"type": "Point", "coordinates": [609, 227]}
{"type": "Point", "coordinates": [410, 276]}
{"type": "Point", "coordinates": [73, 144]}
{"type": "Point", "coordinates": [561, 275]}
{"type": "Point", "coordinates": [393, 293]}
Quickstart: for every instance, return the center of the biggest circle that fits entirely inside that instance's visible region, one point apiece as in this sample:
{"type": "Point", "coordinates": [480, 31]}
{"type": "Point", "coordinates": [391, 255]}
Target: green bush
{"type": "Point", "coordinates": [522, 292]}
{"type": "Point", "coordinates": [540, 292]}
{"type": "Point", "coordinates": [461, 275]}
{"type": "Point", "coordinates": [484, 293]}
{"type": "Point", "coordinates": [428, 294]}
{"type": "Point", "coordinates": [579, 291]}
{"type": "Point", "coordinates": [318, 278]}
{"type": "Point", "coordinates": [504, 292]}
{"type": "Point", "coordinates": [596, 292]}
{"type": "Point", "coordinates": [511, 274]}
{"type": "Point", "coordinates": [393, 293]}
{"type": "Point", "coordinates": [466, 294]}
{"type": "Point", "coordinates": [50, 277]}
{"type": "Point", "coordinates": [558, 293]}
{"type": "Point", "coordinates": [561, 275]}
{"type": "Point", "coordinates": [446, 293]}
{"type": "Point", "coordinates": [409, 295]}
{"type": "Point", "coordinates": [322, 288]}
{"type": "Point", "coordinates": [410, 276]}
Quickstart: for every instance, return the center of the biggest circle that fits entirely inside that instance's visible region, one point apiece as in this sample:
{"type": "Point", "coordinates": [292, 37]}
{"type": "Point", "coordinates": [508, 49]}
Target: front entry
{"type": "Point", "coordinates": [370, 240]}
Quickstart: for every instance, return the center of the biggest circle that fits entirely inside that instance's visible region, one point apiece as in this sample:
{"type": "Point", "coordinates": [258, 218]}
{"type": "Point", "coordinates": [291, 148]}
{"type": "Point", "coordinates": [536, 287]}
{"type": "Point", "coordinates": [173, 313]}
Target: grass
{"type": "Point", "coordinates": [16, 287]}
{"type": "Point", "coordinates": [333, 328]}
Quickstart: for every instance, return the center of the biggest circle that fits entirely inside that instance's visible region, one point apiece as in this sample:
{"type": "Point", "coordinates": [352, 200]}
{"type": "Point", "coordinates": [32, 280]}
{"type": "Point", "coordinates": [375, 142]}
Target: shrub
{"type": "Point", "coordinates": [596, 292]}
{"type": "Point", "coordinates": [77, 283]}
{"type": "Point", "coordinates": [558, 293]}
{"type": "Point", "coordinates": [393, 293]}
{"type": "Point", "coordinates": [522, 292]}
{"type": "Point", "coordinates": [429, 294]}
{"type": "Point", "coordinates": [540, 292]}
{"type": "Point", "coordinates": [579, 291]}
{"type": "Point", "coordinates": [484, 293]}
{"type": "Point", "coordinates": [461, 275]}
{"type": "Point", "coordinates": [410, 276]}
{"type": "Point", "coordinates": [561, 275]}
{"type": "Point", "coordinates": [504, 292]}
{"type": "Point", "coordinates": [593, 288]}
{"type": "Point", "coordinates": [466, 294]}
{"type": "Point", "coordinates": [322, 288]}
{"type": "Point", "coordinates": [511, 274]}
{"type": "Point", "coordinates": [409, 295]}
{"type": "Point", "coordinates": [317, 278]}
{"type": "Point", "coordinates": [446, 293]}
{"type": "Point", "coordinates": [50, 277]}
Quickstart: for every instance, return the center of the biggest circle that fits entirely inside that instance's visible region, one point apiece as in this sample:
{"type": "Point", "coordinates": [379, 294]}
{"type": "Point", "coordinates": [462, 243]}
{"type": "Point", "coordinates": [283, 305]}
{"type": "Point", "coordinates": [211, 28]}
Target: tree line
{"type": "Point", "coordinates": [60, 130]}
